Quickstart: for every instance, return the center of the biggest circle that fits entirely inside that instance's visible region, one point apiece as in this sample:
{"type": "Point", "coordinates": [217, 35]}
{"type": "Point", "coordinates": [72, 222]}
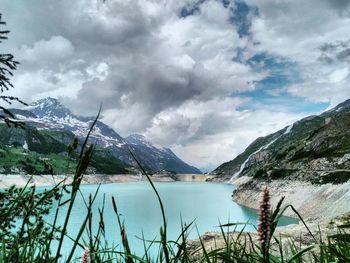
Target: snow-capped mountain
{"type": "Point", "coordinates": [50, 114]}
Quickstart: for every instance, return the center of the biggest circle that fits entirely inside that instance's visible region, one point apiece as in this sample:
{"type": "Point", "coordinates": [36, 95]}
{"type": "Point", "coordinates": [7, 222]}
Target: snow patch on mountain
{"type": "Point", "coordinates": [50, 114]}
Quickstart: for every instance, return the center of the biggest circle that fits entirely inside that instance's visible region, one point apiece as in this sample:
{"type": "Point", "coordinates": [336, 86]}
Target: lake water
{"type": "Point", "coordinates": [206, 203]}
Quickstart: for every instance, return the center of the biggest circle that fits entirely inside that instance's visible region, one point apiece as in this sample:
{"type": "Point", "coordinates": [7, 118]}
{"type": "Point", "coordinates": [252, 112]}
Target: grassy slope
{"type": "Point", "coordinates": [48, 147]}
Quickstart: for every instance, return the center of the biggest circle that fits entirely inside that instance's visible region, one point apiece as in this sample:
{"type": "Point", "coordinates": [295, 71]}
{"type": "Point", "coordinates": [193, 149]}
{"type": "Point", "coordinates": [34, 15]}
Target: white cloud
{"type": "Point", "coordinates": [295, 29]}
{"type": "Point", "coordinates": [99, 71]}
{"type": "Point", "coordinates": [241, 129]}
{"type": "Point", "coordinates": [300, 32]}
{"type": "Point", "coordinates": [43, 51]}
{"type": "Point", "coordinates": [338, 75]}
{"type": "Point", "coordinates": [46, 83]}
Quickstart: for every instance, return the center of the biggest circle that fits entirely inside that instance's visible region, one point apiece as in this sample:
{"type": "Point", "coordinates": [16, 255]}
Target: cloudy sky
{"type": "Point", "coordinates": [203, 77]}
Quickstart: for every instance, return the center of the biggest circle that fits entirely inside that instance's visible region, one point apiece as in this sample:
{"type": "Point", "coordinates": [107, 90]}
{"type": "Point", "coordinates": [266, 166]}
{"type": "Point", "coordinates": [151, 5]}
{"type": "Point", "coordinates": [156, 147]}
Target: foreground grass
{"type": "Point", "coordinates": [26, 236]}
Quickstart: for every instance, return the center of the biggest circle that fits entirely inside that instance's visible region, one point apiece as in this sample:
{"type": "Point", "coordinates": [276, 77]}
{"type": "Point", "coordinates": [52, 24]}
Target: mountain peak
{"type": "Point", "coordinates": [49, 101]}
{"type": "Point", "coordinates": [49, 107]}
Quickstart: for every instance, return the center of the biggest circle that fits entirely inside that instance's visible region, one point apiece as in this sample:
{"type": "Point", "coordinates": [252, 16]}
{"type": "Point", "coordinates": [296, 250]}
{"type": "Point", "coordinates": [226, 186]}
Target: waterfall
{"type": "Point", "coordinates": [264, 147]}
{"type": "Point", "coordinates": [241, 168]}
{"type": "Point", "coordinates": [288, 130]}
{"type": "Point", "coordinates": [236, 174]}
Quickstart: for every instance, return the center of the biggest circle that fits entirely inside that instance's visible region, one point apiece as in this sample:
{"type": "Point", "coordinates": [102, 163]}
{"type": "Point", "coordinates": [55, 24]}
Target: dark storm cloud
{"type": "Point", "coordinates": [344, 55]}
{"type": "Point", "coordinates": [156, 86]}
{"type": "Point", "coordinates": [342, 6]}
{"type": "Point", "coordinates": [335, 51]}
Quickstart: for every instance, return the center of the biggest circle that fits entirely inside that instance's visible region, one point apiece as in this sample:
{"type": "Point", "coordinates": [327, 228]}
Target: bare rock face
{"type": "Point", "coordinates": [259, 157]}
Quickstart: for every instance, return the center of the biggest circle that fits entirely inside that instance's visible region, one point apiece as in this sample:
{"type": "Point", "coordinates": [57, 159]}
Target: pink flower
{"type": "Point", "coordinates": [85, 258]}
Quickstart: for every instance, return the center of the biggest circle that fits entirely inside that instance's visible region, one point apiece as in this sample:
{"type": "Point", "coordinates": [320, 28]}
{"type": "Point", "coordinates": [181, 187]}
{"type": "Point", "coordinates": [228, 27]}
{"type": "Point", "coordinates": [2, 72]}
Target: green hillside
{"type": "Point", "coordinates": [33, 151]}
{"type": "Point", "coordinates": [317, 149]}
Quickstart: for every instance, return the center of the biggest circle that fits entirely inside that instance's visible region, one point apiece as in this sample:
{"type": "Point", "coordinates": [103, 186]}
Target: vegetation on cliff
{"type": "Point", "coordinates": [316, 149]}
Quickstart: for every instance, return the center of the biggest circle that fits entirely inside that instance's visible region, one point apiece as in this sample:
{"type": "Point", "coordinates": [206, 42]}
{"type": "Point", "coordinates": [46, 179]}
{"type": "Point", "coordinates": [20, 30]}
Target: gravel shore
{"type": "Point", "coordinates": [6, 180]}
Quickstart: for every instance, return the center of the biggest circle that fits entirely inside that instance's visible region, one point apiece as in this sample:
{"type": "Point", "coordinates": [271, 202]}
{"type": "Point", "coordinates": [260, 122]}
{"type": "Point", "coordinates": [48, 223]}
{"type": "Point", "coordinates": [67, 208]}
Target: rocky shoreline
{"type": "Point", "coordinates": [322, 207]}
{"type": "Point", "coordinates": [319, 203]}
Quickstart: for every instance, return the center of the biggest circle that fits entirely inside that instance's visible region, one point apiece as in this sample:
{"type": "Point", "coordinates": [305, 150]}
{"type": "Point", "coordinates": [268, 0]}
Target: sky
{"type": "Point", "coordinates": [203, 77]}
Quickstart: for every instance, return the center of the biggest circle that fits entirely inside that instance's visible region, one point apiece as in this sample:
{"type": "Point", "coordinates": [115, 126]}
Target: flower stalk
{"type": "Point", "coordinates": [264, 223]}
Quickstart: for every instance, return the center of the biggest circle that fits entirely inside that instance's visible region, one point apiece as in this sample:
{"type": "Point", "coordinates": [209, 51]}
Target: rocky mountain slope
{"type": "Point", "coordinates": [35, 151]}
{"type": "Point", "coordinates": [50, 127]}
{"type": "Point", "coordinates": [315, 149]}
{"type": "Point", "coordinates": [158, 159]}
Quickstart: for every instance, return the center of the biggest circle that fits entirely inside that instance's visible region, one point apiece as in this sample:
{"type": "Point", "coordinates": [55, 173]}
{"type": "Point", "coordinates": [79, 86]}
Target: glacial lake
{"type": "Point", "coordinates": [206, 203]}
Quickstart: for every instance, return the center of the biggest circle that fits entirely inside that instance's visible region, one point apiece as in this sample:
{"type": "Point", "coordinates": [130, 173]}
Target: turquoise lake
{"type": "Point", "coordinates": [206, 203]}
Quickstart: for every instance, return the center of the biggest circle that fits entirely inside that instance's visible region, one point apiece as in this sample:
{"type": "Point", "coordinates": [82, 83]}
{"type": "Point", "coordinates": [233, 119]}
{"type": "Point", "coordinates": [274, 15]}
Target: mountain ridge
{"type": "Point", "coordinates": [315, 148]}
{"type": "Point", "coordinates": [50, 114]}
